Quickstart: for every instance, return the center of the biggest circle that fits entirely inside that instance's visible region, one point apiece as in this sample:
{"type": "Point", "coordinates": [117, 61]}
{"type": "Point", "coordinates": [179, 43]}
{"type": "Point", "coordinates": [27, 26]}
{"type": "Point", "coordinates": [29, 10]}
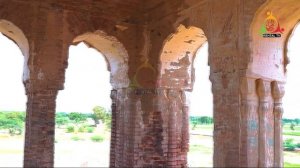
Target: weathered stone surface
{"type": "Point", "coordinates": [40, 128]}
{"type": "Point", "coordinates": [150, 47]}
{"type": "Point", "coordinates": [151, 129]}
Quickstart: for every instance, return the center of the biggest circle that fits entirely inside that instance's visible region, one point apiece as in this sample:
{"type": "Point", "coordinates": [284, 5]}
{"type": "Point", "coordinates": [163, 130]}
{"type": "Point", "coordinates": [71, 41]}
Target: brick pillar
{"type": "Point", "coordinates": [172, 130]}
{"type": "Point", "coordinates": [185, 127]}
{"type": "Point", "coordinates": [40, 126]}
{"type": "Point", "coordinates": [277, 93]}
{"type": "Point", "coordinates": [113, 97]}
{"type": "Point", "coordinates": [150, 128]}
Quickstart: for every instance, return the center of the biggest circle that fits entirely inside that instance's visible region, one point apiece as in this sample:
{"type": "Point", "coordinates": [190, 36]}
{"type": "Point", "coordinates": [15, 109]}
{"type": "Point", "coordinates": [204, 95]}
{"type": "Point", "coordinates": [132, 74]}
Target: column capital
{"type": "Point", "coordinates": [277, 90]}
{"type": "Point", "coordinates": [263, 89]}
{"type": "Point", "coordinates": [277, 94]}
{"type": "Point", "coordinates": [247, 87]}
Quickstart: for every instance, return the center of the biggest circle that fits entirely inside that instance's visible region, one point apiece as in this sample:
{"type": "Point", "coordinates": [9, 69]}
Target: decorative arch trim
{"type": "Point", "coordinates": [114, 53]}
{"type": "Point", "coordinates": [16, 34]}
{"type": "Point", "coordinates": [177, 57]}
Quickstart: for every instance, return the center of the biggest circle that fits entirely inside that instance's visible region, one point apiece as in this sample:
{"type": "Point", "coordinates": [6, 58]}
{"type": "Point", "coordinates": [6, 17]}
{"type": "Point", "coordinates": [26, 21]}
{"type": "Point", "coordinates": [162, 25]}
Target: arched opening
{"type": "Point", "coordinates": [269, 65]}
{"type": "Point", "coordinates": [13, 32]}
{"type": "Point", "coordinates": [184, 65]}
{"type": "Point", "coordinates": [14, 48]}
{"type": "Point", "coordinates": [291, 117]}
{"type": "Point", "coordinates": [201, 113]}
{"type": "Point", "coordinates": [114, 52]}
{"type": "Point", "coordinates": [83, 114]}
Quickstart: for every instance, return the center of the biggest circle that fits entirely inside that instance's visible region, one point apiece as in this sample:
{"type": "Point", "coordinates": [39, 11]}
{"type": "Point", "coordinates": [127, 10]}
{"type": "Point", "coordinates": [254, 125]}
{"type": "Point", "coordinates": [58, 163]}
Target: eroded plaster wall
{"type": "Point", "coordinates": [150, 107]}
{"type": "Point", "coordinates": [226, 26]}
{"type": "Point", "coordinates": [151, 128]}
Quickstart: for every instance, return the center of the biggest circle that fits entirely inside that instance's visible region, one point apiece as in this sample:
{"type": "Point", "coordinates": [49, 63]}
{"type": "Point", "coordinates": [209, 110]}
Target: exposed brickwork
{"type": "Point", "coordinates": [150, 74]}
{"type": "Point", "coordinates": [40, 127]}
{"type": "Point", "coordinates": [150, 130]}
{"type": "Point", "coordinates": [113, 139]}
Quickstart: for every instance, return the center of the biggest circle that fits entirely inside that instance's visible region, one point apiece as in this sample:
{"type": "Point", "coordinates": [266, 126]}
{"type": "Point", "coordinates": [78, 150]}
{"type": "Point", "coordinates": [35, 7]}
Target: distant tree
{"type": "Point", "coordinates": [61, 118]}
{"type": "Point", "coordinates": [77, 117]}
{"type": "Point", "coordinates": [108, 120]}
{"type": "Point", "coordinates": [61, 114]}
{"type": "Point", "coordinates": [292, 126]}
{"type": "Point", "coordinates": [13, 121]}
{"type": "Point", "coordinates": [94, 117]}
{"type": "Point", "coordinates": [59, 121]}
{"type": "Point", "coordinates": [100, 113]}
{"type": "Point", "coordinates": [194, 123]}
{"type": "Point", "coordinates": [20, 116]}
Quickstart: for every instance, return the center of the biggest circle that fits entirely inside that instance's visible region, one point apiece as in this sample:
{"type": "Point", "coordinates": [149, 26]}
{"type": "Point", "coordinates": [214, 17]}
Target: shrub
{"type": "Point", "coordinates": [97, 138]}
{"type": "Point", "coordinates": [100, 113]}
{"type": "Point", "coordinates": [292, 126]}
{"type": "Point", "coordinates": [77, 117]}
{"type": "Point", "coordinates": [16, 130]}
{"type": "Point", "coordinates": [70, 129]}
{"type": "Point", "coordinates": [13, 121]}
{"type": "Point", "coordinates": [59, 121]}
{"type": "Point", "coordinates": [90, 129]}
{"type": "Point", "coordinates": [108, 124]}
{"type": "Point", "coordinates": [20, 116]}
{"type": "Point", "coordinates": [81, 129]}
{"type": "Point", "coordinates": [289, 148]}
{"type": "Point", "coordinates": [288, 142]}
{"type": "Point", "coordinates": [289, 145]}
{"type": "Point", "coordinates": [76, 138]}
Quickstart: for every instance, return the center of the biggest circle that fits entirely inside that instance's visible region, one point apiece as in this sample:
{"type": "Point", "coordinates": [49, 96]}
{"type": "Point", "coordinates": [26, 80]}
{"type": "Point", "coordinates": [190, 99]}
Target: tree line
{"type": "Point", "coordinates": [291, 121]}
{"type": "Point", "coordinates": [14, 121]}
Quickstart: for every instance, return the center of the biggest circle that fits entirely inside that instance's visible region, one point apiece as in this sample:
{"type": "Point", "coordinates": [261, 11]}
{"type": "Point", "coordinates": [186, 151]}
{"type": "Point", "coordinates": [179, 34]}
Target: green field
{"type": "Point", "coordinates": [286, 164]}
{"type": "Point", "coordinates": [287, 130]}
{"type": "Point", "coordinates": [79, 144]}
{"type": "Point", "coordinates": [291, 159]}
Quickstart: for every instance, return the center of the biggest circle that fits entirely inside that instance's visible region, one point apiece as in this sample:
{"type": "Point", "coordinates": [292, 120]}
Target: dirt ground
{"type": "Point", "coordinates": [86, 153]}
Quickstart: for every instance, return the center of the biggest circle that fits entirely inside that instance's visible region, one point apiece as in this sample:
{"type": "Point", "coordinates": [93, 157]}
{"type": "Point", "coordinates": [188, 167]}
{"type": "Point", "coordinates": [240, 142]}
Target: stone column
{"type": "Point", "coordinates": [264, 92]}
{"type": "Point", "coordinates": [277, 93]}
{"type": "Point", "coordinates": [249, 122]}
{"type": "Point", "coordinates": [40, 127]}
{"type": "Point", "coordinates": [185, 126]}
{"type": "Point", "coordinates": [172, 137]}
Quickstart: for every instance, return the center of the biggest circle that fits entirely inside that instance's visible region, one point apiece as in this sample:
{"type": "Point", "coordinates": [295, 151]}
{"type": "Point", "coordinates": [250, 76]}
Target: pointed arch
{"type": "Point", "coordinates": [268, 59]}
{"type": "Point", "coordinates": [13, 32]}
{"type": "Point", "coordinates": [266, 76]}
{"type": "Point", "coordinates": [114, 53]}
{"type": "Point", "coordinates": [177, 57]}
